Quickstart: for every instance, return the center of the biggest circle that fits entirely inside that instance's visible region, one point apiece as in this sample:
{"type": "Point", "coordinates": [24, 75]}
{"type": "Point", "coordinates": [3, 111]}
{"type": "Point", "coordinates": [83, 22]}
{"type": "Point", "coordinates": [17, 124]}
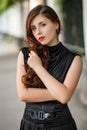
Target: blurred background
{"type": "Point", "coordinates": [13, 13]}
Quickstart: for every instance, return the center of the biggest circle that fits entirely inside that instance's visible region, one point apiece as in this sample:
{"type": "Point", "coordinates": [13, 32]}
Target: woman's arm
{"type": "Point", "coordinates": [29, 94]}
{"type": "Point", "coordinates": [61, 92]}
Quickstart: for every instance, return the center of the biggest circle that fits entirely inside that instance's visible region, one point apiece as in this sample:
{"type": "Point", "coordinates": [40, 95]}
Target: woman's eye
{"type": "Point", "coordinates": [33, 28]}
{"type": "Point", "coordinates": [43, 24]}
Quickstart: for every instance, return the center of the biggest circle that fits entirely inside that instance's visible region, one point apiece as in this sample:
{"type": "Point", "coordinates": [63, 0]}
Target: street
{"type": "Point", "coordinates": [11, 109]}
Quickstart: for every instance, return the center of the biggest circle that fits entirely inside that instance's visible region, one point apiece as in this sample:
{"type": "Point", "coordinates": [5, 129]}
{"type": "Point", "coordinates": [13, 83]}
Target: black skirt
{"type": "Point", "coordinates": [27, 125]}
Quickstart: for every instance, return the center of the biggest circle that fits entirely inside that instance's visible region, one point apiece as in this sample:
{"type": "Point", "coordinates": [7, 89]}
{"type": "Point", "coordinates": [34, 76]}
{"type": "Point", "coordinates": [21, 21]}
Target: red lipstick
{"type": "Point", "coordinates": [41, 38]}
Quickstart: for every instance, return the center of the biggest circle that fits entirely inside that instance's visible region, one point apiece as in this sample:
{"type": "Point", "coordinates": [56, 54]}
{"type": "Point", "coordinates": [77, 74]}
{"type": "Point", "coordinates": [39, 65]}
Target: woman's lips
{"type": "Point", "coordinates": [41, 38]}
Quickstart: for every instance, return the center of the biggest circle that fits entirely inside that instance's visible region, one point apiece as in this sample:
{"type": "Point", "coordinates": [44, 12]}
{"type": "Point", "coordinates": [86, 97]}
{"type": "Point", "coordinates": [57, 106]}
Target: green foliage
{"type": "Point", "coordinates": [60, 2]}
{"type": "Point", "coordinates": [5, 4]}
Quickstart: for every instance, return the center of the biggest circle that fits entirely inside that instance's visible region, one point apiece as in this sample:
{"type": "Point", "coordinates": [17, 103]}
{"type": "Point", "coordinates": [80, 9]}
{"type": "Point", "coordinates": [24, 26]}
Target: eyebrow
{"type": "Point", "coordinates": [39, 23]}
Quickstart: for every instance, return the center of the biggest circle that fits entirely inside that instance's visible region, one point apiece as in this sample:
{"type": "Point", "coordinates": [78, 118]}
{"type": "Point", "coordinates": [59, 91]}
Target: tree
{"type": "Point", "coordinates": [5, 4]}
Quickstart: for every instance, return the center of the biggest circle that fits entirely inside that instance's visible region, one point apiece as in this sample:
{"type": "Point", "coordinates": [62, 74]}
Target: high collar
{"type": "Point", "coordinates": [54, 49]}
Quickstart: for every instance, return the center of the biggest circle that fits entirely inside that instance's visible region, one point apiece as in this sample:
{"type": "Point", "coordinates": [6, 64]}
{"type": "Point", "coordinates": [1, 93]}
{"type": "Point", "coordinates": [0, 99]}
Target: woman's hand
{"type": "Point", "coordinates": [34, 60]}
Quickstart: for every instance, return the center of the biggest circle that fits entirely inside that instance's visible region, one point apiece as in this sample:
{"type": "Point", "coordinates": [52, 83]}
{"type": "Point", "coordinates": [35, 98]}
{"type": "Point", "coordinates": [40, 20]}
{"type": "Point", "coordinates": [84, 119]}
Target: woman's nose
{"type": "Point", "coordinates": [38, 31]}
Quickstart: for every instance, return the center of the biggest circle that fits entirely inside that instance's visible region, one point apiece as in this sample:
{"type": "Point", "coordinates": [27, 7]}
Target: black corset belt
{"type": "Point", "coordinates": [57, 117]}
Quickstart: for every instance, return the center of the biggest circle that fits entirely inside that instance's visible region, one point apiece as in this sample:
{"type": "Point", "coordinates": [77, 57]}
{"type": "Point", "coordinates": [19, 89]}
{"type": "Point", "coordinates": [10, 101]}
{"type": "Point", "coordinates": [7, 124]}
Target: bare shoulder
{"type": "Point", "coordinates": [20, 58]}
{"type": "Point", "coordinates": [76, 66]}
{"type": "Point", "coordinates": [20, 63]}
{"type": "Point", "coordinates": [77, 63]}
{"type": "Point", "coordinates": [74, 72]}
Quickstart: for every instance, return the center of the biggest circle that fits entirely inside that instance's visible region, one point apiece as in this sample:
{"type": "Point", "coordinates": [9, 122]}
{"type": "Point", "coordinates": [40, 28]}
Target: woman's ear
{"type": "Point", "coordinates": [57, 26]}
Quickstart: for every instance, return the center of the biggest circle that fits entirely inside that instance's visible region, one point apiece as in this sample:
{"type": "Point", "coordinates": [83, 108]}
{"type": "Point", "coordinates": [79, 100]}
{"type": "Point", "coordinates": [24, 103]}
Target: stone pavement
{"type": "Point", "coordinates": [11, 109]}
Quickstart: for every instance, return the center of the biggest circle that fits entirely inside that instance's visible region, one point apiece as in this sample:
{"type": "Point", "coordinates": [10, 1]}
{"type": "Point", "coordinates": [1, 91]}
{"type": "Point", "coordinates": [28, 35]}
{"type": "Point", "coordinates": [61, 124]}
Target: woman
{"type": "Point", "coordinates": [47, 74]}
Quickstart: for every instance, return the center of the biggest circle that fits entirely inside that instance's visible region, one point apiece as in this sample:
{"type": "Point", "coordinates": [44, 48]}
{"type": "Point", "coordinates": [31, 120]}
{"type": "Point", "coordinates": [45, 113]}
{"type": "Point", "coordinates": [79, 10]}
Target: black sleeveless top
{"type": "Point", "coordinates": [60, 60]}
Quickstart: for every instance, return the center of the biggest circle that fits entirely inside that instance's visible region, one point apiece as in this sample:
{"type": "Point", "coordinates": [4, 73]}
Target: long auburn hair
{"type": "Point", "coordinates": [30, 79]}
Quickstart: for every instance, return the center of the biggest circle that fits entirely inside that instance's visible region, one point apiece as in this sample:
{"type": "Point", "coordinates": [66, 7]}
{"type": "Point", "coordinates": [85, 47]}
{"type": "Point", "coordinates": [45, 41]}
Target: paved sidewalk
{"type": "Point", "coordinates": [7, 48]}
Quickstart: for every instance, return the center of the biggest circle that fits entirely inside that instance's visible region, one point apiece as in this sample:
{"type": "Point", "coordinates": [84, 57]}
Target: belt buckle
{"type": "Point", "coordinates": [42, 115]}
{"type": "Point", "coordinates": [33, 115]}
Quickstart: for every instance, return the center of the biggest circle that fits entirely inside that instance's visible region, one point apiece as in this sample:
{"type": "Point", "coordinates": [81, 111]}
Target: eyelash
{"type": "Point", "coordinates": [43, 24]}
{"type": "Point", "coordinates": [34, 28]}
